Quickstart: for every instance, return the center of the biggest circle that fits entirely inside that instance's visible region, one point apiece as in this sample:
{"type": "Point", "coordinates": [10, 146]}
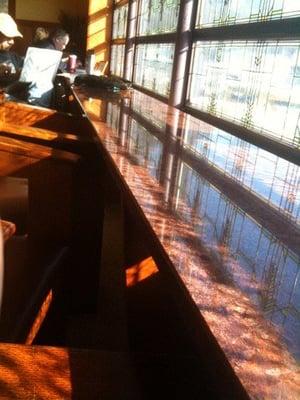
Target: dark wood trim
{"type": "Point", "coordinates": [269, 30]}
{"type": "Point", "coordinates": [120, 4]}
{"type": "Point", "coordinates": [12, 8]}
{"type": "Point", "coordinates": [165, 38]}
{"type": "Point", "coordinates": [118, 41]}
{"type": "Point", "coordinates": [269, 144]}
{"type": "Point", "coordinates": [34, 23]}
{"type": "Point", "coordinates": [151, 93]}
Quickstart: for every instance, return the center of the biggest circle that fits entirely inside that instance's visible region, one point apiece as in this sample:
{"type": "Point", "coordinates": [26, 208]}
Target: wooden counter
{"type": "Point", "coordinates": [215, 209]}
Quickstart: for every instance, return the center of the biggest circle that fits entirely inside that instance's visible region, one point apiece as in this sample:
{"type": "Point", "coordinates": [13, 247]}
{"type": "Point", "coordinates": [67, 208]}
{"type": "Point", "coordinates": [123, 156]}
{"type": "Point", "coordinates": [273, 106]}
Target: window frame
{"type": "Point", "coordinates": [186, 35]}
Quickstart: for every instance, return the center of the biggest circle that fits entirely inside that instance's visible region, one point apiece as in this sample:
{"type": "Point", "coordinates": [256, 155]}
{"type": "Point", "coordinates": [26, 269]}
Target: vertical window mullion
{"type": "Point", "coordinates": [183, 52]}
{"type": "Point", "coordinates": [130, 39]}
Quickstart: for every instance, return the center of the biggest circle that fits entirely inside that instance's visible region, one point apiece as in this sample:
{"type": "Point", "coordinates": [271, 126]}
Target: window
{"type": "Point", "coordinates": [157, 16]}
{"type": "Point", "coordinates": [255, 84]}
{"type": "Point", "coordinates": [153, 67]}
{"type": "Point", "coordinates": [119, 32]}
{"type": "Point", "coordinates": [220, 12]}
{"type": "Point", "coordinates": [117, 59]}
{"type": "Point", "coordinates": [120, 22]}
{"type": "Point", "coordinates": [248, 76]}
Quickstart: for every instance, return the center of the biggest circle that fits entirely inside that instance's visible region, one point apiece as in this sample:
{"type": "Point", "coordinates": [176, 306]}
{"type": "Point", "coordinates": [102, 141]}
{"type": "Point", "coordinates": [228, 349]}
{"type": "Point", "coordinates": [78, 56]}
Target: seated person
{"type": "Point", "coordinates": [57, 40]}
{"type": "Point", "coordinates": [10, 62]}
{"type": "Point", "coordinates": [40, 35]}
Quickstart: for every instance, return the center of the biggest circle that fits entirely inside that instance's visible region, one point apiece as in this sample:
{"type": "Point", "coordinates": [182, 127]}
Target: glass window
{"type": "Point", "coordinates": [153, 67]}
{"type": "Point", "coordinates": [158, 16]}
{"type": "Point", "coordinates": [117, 59]}
{"type": "Point", "coordinates": [255, 84]}
{"type": "Point", "coordinates": [230, 12]}
{"type": "Point", "coordinates": [120, 22]}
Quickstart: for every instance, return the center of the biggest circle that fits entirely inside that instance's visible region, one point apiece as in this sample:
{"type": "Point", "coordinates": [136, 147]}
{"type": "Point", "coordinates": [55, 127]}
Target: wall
{"type": "Point", "coordinates": [99, 28]}
{"type": "Point", "coordinates": [48, 11]}
{"type": "Point", "coordinates": [30, 14]}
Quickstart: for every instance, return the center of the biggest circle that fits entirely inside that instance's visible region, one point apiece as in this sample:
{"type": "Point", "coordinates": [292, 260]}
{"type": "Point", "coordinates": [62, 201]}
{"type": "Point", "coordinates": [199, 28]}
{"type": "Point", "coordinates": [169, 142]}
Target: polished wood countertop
{"type": "Point", "coordinates": [227, 215]}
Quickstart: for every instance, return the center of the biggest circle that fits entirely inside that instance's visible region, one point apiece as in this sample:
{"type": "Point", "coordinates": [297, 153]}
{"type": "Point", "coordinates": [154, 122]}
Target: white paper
{"type": "Point", "coordinates": [40, 67]}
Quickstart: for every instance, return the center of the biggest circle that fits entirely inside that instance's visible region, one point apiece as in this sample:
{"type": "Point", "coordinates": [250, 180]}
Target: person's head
{"type": "Point", "coordinates": [60, 39]}
{"type": "Point", "coordinates": [40, 34]}
{"type": "Point", "coordinates": [8, 31]}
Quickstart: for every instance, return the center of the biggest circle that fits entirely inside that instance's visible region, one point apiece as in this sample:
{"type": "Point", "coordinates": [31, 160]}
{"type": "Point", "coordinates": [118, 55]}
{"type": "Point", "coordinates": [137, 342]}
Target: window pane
{"type": "Point", "coordinates": [230, 12]}
{"type": "Point", "coordinates": [120, 22]}
{"type": "Point", "coordinates": [117, 59]}
{"type": "Point", "coordinates": [153, 67]}
{"type": "Point", "coordinates": [156, 16]}
{"type": "Point", "coordinates": [256, 84]}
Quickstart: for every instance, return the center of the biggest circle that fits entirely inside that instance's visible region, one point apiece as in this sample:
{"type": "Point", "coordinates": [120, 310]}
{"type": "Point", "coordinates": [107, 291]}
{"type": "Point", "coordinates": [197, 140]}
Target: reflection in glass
{"type": "Point", "coordinates": [117, 59]}
{"type": "Point", "coordinates": [274, 179]}
{"type": "Point", "coordinates": [153, 67]}
{"type": "Point", "coordinates": [263, 268]}
{"type": "Point", "coordinates": [113, 116]}
{"type": "Point", "coordinates": [146, 148]}
{"type": "Point", "coordinates": [156, 16]}
{"type": "Point", "coordinates": [224, 12]}
{"type": "Point", "coordinates": [141, 144]}
{"type": "Point", "coordinates": [150, 109]}
{"type": "Point", "coordinates": [120, 22]}
{"type": "Point", "coordinates": [256, 84]}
